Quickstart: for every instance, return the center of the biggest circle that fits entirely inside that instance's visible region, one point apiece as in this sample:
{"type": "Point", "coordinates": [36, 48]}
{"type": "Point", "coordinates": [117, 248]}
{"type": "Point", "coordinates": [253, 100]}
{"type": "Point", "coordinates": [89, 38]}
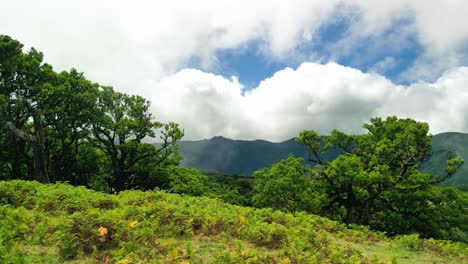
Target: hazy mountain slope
{"type": "Point", "coordinates": [241, 157]}
{"type": "Point", "coordinates": [441, 144]}
{"type": "Point", "coordinates": [244, 157]}
{"type": "Point", "coordinates": [236, 156]}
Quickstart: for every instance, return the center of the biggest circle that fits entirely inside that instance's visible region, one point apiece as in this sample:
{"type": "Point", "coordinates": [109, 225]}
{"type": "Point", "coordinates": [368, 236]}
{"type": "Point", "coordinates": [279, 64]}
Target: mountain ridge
{"type": "Point", "coordinates": [233, 156]}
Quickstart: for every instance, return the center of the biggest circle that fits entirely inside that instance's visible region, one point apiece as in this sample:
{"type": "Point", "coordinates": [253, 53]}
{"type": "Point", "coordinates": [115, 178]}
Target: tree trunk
{"type": "Point", "coordinates": [38, 145]}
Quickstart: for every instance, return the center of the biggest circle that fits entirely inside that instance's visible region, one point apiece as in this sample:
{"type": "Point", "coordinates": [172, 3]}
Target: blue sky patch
{"type": "Point", "coordinates": [389, 53]}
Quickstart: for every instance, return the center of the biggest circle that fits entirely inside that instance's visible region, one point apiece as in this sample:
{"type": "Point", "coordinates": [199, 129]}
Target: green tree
{"type": "Point", "coordinates": [188, 181]}
{"type": "Point", "coordinates": [436, 211]}
{"type": "Point", "coordinates": [91, 167]}
{"type": "Point", "coordinates": [287, 186]}
{"type": "Point", "coordinates": [346, 183]}
{"type": "Point", "coordinates": [376, 172]}
{"type": "Point", "coordinates": [70, 104]}
{"type": "Point", "coordinates": [23, 80]}
{"type": "Point", "coordinates": [44, 116]}
{"type": "Point", "coordinates": [120, 125]}
{"type": "Point", "coordinates": [62, 127]}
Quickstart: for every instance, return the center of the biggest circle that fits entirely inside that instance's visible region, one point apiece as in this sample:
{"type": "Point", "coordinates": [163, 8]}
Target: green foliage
{"type": "Point", "coordinates": [453, 164]}
{"type": "Point", "coordinates": [23, 78]}
{"type": "Point", "coordinates": [438, 212]}
{"type": "Point", "coordinates": [188, 181]}
{"type": "Point", "coordinates": [285, 186]}
{"type": "Point", "coordinates": [233, 189]}
{"type": "Point", "coordinates": [68, 245]}
{"type": "Point", "coordinates": [409, 241]}
{"type": "Point", "coordinates": [13, 227]}
{"type": "Point", "coordinates": [122, 122]}
{"type": "Point", "coordinates": [376, 182]}
{"type": "Point", "coordinates": [56, 223]}
{"type": "Point", "coordinates": [61, 127]}
{"type": "Point", "coordinates": [313, 143]}
{"type": "Point", "coordinates": [456, 144]}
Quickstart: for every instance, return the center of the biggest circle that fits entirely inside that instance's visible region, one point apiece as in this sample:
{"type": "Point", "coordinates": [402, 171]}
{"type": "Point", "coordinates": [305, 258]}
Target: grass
{"type": "Point", "coordinates": [59, 223]}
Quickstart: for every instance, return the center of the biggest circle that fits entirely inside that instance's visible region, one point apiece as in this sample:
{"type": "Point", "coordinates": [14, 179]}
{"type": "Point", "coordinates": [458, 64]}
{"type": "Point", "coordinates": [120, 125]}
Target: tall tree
{"type": "Point", "coordinates": [70, 104]}
{"type": "Point", "coordinates": [374, 166]}
{"type": "Point", "coordinates": [23, 78]}
{"type": "Point", "coordinates": [121, 123]}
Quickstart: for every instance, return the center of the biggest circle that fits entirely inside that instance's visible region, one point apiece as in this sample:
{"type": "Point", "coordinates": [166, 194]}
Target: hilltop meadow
{"type": "Point", "coordinates": [59, 223]}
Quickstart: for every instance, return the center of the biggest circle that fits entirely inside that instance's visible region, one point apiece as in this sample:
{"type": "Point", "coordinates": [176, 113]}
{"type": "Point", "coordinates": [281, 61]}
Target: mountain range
{"type": "Point", "coordinates": [242, 157]}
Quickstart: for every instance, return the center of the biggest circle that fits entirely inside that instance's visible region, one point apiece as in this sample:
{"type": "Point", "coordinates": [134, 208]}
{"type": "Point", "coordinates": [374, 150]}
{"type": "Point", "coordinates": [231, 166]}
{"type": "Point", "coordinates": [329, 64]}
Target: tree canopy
{"type": "Point", "coordinates": [375, 181]}
{"type": "Point", "coordinates": [63, 127]}
{"type": "Point", "coordinates": [286, 186]}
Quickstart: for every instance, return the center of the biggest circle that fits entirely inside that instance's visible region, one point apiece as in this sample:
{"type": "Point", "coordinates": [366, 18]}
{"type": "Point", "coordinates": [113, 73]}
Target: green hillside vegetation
{"type": "Point", "coordinates": [242, 157]}
{"type": "Point", "coordinates": [227, 156]}
{"type": "Point", "coordinates": [58, 223]}
{"type": "Point", "coordinates": [441, 145]}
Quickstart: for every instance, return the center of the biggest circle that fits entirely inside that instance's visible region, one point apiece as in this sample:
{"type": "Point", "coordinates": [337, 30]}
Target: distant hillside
{"type": "Point", "coordinates": [441, 144]}
{"type": "Point", "coordinates": [243, 157]}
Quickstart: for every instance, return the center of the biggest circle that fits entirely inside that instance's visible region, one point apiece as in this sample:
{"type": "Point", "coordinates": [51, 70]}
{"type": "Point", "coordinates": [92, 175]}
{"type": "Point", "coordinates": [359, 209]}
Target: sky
{"type": "Point", "coordinates": [263, 69]}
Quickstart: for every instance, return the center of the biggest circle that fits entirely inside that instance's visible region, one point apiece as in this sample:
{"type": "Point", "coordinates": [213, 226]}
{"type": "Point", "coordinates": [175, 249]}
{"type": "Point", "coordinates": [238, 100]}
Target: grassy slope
{"type": "Point", "coordinates": [52, 223]}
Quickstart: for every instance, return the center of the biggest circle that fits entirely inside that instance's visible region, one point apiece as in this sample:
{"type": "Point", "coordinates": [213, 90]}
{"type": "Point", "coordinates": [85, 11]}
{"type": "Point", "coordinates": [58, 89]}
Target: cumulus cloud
{"type": "Point", "coordinates": [140, 47]}
{"type": "Point", "coordinates": [443, 103]}
{"type": "Point", "coordinates": [437, 25]}
{"type": "Point", "coordinates": [204, 104]}
{"type": "Point", "coordinates": [125, 44]}
{"type": "Point", "coordinates": [315, 96]}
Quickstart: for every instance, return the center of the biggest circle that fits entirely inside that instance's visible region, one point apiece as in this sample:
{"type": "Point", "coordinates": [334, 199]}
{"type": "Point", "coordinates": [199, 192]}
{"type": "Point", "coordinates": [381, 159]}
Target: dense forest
{"type": "Point", "coordinates": [61, 127]}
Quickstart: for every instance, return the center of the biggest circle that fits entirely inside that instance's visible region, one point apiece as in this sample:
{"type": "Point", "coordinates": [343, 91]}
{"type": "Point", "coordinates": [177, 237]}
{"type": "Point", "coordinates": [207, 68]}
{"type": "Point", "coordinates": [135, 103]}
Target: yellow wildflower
{"type": "Point", "coordinates": [244, 254]}
{"type": "Point", "coordinates": [102, 231]}
{"type": "Point", "coordinates": [102, 234]}
{"type": "Point", "coordinates": [242, 220]}
{"type": "Point", "coordinates": [133, 224]}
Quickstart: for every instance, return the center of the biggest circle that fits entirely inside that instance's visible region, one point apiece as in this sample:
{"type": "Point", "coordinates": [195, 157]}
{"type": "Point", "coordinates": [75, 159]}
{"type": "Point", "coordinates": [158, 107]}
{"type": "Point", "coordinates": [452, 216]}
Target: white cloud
{"type": "Point", "coordinates": [203, 104]}
{"type": "Point", "coordinates": [124, 43]}
{"type": "Point", "coordinates": [314, 96]}
{"type": "Point", "coordinates": [384, 65]}
{"type": "Point", "coordinates": [139, 47]}
{"type": "Point", "coordinates": [439, 26]}
{"type": "Point", "coordinates": [443, 104]}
